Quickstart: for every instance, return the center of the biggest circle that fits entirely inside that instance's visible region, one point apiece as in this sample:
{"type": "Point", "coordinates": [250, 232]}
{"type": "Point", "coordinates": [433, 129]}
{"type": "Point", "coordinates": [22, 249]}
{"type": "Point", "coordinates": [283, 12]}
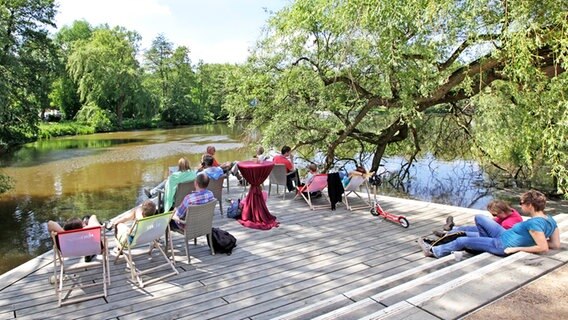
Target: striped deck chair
{"type": "Point", "coordinates": [78, 244]}
{"type": "Point", "coordinates": [146, 231]}
{"type": "Point", "coordinates": [318, 183]}
{"type": "Point", "coordinates": [353, 187]}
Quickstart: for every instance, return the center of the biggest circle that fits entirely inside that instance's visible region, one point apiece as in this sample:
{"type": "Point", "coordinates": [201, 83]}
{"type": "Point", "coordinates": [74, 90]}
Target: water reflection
{"type": "Point", "coordinates": [459, 182]}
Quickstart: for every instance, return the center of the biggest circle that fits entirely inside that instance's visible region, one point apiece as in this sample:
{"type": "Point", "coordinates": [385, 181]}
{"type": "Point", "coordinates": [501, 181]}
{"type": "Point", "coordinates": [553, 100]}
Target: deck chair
{"type": "Point", "coordinates": [278, 177]}
{"type": "Point", "coordinates": [354, 186]}
{"type": "Point", "coordinates": [77, 244]}
{"type": "Point", "coordinates": [216, 186]}
{"type": "Point", "coordinates": [198, 222]}
{"type": "Point", "coordinates": [318, 183]}
{"type": "Point", "coordinates": [143, 232]}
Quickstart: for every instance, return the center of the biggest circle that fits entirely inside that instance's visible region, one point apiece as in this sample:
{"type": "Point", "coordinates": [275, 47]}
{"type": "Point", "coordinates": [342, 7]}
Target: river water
{"type": "Point", "coordinates": [104, 174]}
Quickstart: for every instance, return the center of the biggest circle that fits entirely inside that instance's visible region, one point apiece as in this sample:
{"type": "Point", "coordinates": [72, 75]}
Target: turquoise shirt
{"type": "Point", "coordinates": [171, 186]}
{"type": "Point", "coordinates": [519, 235]}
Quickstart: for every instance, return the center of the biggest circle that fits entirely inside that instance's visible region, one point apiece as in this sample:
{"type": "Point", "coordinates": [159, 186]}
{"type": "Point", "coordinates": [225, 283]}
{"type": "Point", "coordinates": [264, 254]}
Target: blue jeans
{"type": "Point", "coordinates": [488, 239]}
{"type": "Point", "coordinates": [470, 231]}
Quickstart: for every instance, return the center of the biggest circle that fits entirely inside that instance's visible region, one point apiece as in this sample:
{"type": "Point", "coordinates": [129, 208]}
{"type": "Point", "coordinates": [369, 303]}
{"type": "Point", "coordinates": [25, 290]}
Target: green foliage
{"type": "Point", "coordinates": [348, 76]}
{"type": "Point", "coordinates": [6, 183]}
{"type": "Point", "coordinates": [106, 71]}
{"type": "Point", "coordinates": [50, 130]}
{"type": "Point", "coordinates": [101, 120]}
{"type": "Point", "coordinates": [27, 61]}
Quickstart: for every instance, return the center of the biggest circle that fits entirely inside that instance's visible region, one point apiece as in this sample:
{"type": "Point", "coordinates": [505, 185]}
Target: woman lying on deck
{"type": "Point", "coordinates": [536, 235]}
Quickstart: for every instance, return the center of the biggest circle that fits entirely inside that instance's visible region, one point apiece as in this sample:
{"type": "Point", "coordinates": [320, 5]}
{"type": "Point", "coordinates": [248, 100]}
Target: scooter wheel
{"type": "Point", "coordinates": [374, 212]}
{"type": "Point", "coordinates": [403, 222]}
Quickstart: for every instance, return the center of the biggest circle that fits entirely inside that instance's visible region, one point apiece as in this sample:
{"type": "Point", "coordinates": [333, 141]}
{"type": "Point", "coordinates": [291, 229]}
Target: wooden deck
{"type": "Point", "coordinates": [318, 264]}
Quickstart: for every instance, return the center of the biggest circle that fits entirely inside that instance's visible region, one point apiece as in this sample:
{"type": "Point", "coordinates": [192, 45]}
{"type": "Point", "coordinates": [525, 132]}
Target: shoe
{"type": "Point", "coordinates": [426, 248]}
{"type": "Point", "coordinates": [439, 233]}
{"type": "Point", "coordinates": [108, 225]}
{"type": "Point", "coordinates": [429, 241]}
{"type": "Point", "coordinates": [147, 193]}
{"type": "Point", "coordinates": [90, 258]}
{"type": "Point", "coordinates": [449, 237]}
{"type": "Point", "coordinates": [449, 223]}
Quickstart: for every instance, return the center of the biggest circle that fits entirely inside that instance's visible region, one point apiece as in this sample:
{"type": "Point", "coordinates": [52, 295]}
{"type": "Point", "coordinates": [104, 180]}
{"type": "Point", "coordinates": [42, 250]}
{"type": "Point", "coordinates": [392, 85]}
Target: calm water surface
{"type": "Point", "coordinates": [102, 174]}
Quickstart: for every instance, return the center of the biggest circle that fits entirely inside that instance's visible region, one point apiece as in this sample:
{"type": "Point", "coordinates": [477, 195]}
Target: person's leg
{"type": "Point", "coordinates": [121, 234]}
{"type": "Point", "coordinates": [53, 226]}
{"type": "Point", "coordinates": [93, 221]}
{"type": "Point", "coordinates": [488, 227]}
{"type": "Point", "coordinates": [290, 178]}
{"type": "Point", "coordinates": [154, 191]}
{"type": "Point", "coordinates": [470, 231]}
{"type": "Point", "coordinates": [481, 244]}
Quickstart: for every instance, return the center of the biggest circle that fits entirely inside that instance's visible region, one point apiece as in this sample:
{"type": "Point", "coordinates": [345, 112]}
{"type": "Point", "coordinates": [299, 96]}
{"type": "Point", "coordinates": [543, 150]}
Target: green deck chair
{"type": "Point", "coordinates": [148, 231]}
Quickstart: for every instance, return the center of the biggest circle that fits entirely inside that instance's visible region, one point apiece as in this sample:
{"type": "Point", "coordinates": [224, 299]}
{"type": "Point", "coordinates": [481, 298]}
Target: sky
{"type": "Point", "coordinates": [215, 31]}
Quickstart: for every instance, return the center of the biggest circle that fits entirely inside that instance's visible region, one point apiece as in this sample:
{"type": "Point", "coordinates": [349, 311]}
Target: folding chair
{"type": "Point", "coordinates": [198, 222]}
{"type": "Point", "coordinates": [278, 176]}
{"type": "Point", "coordinates": [77, 244]}
{"type": "Point", "coordinates": [145, 231]}
{"type": "Point", "coordinates": [318, 184]}
{"type": "Point", "coordinates": [353, 186]}
{"type": "Point", "coordinates": [216, 186]}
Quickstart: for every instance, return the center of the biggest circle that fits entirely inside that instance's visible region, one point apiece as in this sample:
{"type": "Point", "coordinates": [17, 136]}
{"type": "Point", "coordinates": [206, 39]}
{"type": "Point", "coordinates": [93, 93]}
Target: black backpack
{"type": "Point", "coordinates": [223, 242]}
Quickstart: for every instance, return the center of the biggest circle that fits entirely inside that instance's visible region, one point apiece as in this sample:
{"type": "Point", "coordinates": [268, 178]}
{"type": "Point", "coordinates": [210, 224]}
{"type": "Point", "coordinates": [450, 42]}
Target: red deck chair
{"type": "Point", "coordinates": [318, 183]}
{"type": "Point", "coordinates": [77, 244]}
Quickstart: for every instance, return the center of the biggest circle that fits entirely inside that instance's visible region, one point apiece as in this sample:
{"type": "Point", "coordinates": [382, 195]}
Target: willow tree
{"type": "Point", "coordinates": [335, 76]}
{"type": "Point", "coordinates": [106, 71]}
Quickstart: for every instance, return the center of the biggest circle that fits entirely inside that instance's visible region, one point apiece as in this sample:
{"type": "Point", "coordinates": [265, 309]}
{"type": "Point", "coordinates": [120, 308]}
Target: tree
{"type": "Point", "coordinates": [106, 71]}
{"type": "Point", "coordinates": [334, 76]}
{"type": "Point", "coordinates": [212, 87]}
{"type": "Point", "coordinates": [26, 65]}
{"type": "Point", "coordinates": [170, 77]}
{"type": "Point", "coordinates": [64, 94]}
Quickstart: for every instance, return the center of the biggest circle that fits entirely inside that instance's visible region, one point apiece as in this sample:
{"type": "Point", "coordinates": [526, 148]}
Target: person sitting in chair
{"type": "Point", "coordinates": [359, 171]}
{"type": "Point", "coordinates": [312, 172]}
{"type": "Point", "coordinates": [287, 159]}
{"type": "Point", "coordinates": [225, 166]}
{"type": "Point", "coordinates": [211, 171]}
{"type": "Point", "coordinates": [201, 195]}
{"type": "Point", "coordinates": [122, 223]}
{"type": "Point", "coordinates": [74, 224]}
{"type": "Point", "coordinates": [183, 174]}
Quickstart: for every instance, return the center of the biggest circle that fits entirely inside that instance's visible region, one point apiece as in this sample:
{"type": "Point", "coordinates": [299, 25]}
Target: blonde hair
{"type": "Point", "coordinates": [183, 164]}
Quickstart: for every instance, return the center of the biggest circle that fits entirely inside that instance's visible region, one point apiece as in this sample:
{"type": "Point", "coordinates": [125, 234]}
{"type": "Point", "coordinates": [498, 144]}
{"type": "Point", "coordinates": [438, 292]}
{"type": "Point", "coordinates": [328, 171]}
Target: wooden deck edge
{"type": "Point", "coordinates": [25, 269]}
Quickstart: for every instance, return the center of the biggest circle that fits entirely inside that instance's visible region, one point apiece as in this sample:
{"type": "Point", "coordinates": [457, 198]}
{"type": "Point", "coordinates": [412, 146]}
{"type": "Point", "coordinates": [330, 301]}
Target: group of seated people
{"type": "Point", "coordinates": [122, 224]}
